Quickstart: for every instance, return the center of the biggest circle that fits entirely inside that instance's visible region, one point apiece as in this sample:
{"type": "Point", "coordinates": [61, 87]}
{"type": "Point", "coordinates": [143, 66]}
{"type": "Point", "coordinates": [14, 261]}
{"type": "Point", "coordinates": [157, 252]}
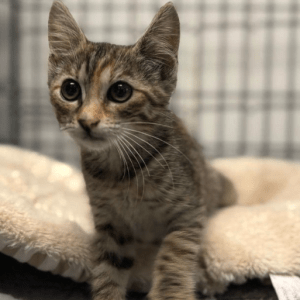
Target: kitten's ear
{"type": "Point", "coordinates": [160, 42]}
{"type": "Point", "coordinates": [64, 34]}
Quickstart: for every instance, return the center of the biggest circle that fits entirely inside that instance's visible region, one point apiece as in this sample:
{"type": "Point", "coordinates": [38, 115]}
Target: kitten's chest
{"type": "Point", "coordinates": [147, 221]}
{"type": "Point", "coordinates": [144, 211]}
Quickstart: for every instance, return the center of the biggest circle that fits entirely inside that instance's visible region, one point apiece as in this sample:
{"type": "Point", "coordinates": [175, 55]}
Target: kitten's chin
{"type": "Point", "coordinates": [91, 143]}
{"type": "Point", "coordinates": [101, 145]}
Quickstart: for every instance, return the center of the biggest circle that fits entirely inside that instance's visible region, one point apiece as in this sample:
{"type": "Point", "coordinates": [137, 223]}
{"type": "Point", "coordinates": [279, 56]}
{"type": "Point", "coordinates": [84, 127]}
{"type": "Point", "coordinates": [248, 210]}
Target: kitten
{"type": "Point", "coordinates": [149, 186]}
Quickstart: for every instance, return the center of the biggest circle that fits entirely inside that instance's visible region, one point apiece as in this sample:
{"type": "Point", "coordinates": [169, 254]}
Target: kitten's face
{"type": "Point", "coordinates": [98, 88]}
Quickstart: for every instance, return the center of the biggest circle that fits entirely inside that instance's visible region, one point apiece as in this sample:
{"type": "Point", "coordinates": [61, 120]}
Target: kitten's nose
{"type": "Point", "coordinates": [88, 125]}
{"type": "Point", "coordinates": [90, 116]}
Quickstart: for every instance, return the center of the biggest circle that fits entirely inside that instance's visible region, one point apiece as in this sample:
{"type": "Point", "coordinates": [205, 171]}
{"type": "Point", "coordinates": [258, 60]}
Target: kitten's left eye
{"type": "Point", "coordinates": [119, 92]}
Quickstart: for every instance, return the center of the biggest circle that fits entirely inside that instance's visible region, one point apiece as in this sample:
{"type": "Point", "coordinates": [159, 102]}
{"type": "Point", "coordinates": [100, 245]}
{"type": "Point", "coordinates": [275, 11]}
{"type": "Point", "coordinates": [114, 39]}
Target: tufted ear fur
{"type": "Point", "coordinates": [159, 44]}
{"type": "Point", "coordinates": [64, 34]}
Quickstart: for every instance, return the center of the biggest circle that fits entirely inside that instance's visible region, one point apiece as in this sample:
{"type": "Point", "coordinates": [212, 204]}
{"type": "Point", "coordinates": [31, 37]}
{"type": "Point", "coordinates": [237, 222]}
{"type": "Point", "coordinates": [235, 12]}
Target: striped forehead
{"type": "Point", "coordinates": [100, 79]}
{"type": "Point", "coordinates": [104, 54]}
{"type": "Point", "coordinates": [101, 66]}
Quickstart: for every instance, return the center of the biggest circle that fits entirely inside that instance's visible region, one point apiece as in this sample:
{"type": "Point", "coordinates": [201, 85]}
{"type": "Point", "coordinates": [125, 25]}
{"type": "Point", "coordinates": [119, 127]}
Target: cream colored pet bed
{"type": "Point", "coordinates": [45, 219]}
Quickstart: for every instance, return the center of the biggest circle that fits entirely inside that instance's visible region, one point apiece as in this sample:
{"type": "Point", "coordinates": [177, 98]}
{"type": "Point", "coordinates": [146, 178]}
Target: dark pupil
{"type": "Point", "coordinates": [71, 89]}
{"type": "Point", "coordinates": [120, 90]}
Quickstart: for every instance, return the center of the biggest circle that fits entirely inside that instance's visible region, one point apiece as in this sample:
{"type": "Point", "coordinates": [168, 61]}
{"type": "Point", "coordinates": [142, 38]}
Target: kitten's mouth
{"type": "Point", "coordinates": [92, 137]}
{"type": "Point", "coordinates": [89, 139]}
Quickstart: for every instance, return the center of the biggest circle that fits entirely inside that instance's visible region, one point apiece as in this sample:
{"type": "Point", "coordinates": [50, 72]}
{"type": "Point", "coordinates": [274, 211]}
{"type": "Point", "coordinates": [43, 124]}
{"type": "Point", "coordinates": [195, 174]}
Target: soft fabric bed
{"type": "Point", "coordinates": [45, 220]}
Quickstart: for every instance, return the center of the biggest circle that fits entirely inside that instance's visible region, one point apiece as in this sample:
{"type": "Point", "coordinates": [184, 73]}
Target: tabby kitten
{"type": "Point", "coordinates": [149, 186]}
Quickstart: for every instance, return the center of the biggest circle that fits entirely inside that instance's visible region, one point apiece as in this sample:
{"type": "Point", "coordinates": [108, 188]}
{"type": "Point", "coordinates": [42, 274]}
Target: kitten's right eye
{"type": "Point", "coordinates": [70, 90]}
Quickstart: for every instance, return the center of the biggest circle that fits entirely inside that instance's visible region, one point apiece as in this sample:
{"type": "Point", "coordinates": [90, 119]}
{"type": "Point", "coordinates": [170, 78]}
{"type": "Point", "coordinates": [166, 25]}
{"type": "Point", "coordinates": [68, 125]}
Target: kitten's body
{"type": "Point", "coordinates": [149, 186]}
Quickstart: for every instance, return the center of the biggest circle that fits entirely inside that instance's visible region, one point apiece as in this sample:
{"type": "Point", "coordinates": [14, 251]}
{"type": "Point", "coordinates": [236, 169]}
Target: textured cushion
{"type": "Point", "coordinates": [45, 219]}
{"type": "Point", "coordinates": [44, 213]}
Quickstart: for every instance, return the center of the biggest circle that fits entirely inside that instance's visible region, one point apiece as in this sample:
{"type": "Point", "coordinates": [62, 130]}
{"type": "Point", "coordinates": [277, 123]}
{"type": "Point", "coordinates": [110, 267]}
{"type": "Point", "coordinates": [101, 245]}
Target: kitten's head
{"type": "Point", "coordinates": [96, 88]}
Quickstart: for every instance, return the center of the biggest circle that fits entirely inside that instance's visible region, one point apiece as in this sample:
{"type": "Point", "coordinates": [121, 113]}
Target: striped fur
{"type": "Point", "coordinates": [149, 186]}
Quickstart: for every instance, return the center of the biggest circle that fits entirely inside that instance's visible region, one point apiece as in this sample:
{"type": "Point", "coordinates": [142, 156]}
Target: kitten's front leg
{"type": "Point", "coordinates": [176, 263]}
{"type": "Point", "coordinates": [113, 260]}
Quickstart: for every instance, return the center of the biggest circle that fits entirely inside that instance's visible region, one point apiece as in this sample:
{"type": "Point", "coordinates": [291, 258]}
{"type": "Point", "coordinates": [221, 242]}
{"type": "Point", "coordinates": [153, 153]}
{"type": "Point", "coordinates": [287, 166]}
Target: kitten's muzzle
{"type": "Point", "coordinates": [90, 131]}
{"type": "Point", "coordinates": [88, 126]}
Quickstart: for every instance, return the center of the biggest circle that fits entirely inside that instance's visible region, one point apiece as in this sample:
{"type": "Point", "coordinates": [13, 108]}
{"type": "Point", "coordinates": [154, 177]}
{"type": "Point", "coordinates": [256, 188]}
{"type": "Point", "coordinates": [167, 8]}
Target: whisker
{"type": "Point", "coordinates": [121, 158]}
{"type": "Point", "coordinates": [167, 116]}
{"type": "Point", "coordinates": [126, 134]}
{"type": "Point", "coordinates": [111, 141]}
{"type": "Point", "coordinates": [126, 144]}
{"type": "Point", "coordinates": [171, 174]}
{"type": "Point", "coordinates": [125, 161]}
{"type": "Point", "coordinates": [122, 145]}
{"type": "Point", "coordinates": [152, 136]}
{"type": "Point", "coordinates": [147, 123]}
{"type": "Point", "coordinates": [137, 152]}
